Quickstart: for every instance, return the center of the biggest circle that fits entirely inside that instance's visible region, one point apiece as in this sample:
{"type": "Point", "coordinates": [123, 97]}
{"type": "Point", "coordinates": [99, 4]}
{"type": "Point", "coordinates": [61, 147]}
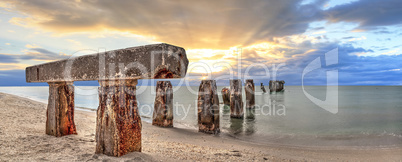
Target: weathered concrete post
{"type": "Point", "coordinates": [226, 96]}
{"type": "Point", "coordinates": [208, 107]}
{"type": "Point", "coordinates": [276, 86]}
{"type": "Point", "coordinates": [236, 102]}
{"type": "Point", "coordinates": [250, 91]}
{"type": "Point", "coordinates": [60, 109]}
{"type": "Point", "coordinates": [118, 122]}
{"type": "Point", "coordinates": [263, 88]}
{"type": "Point", "coordinates": [163, 106]}
{"type": "Point", "coordinates": [271, 86]}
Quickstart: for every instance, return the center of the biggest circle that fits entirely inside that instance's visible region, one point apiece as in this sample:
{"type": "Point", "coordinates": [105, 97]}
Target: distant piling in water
{"type": "Point", "coordinates": [250, 91]}
{"type": "Point", "coordinates": [276, 85]}
{"type": "Point", "coordinates": [263, 88]}
{"type": "Point", "coordinates": [236, 102]}
{"type": "Point", "coordinates": [226, 96]}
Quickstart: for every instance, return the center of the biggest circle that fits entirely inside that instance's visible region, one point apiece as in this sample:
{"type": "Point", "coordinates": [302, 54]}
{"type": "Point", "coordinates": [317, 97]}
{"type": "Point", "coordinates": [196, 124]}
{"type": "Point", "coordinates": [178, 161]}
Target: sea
{"type": "Point", "coordinates": [366, 116]}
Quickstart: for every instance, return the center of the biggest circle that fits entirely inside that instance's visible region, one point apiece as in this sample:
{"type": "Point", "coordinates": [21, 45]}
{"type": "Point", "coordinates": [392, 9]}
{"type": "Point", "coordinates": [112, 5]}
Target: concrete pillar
{"type": "Point", "coordinates": [263, 88]}
{"type": "Point", "coordinates": [250, 91]}
{"type": "Point", "coordinates": [226, 96]}
{"type": "Point", "coordinates": [118, 123]}
{"type": "Point", "coordinates": [163, 106]}
{"type": "Point", "coordinates": [236, 102]}
{"type": "Point", "coordinates": [60, 109]}
{"type": "Point", "coordinates": [272, 86]}
{"type": "Point", "coordinates": [208, 107]}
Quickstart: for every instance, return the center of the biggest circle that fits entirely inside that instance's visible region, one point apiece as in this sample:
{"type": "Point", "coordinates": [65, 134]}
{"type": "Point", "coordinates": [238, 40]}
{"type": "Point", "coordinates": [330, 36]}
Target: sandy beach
{"type": "Point", "coordinates": [23, 138]}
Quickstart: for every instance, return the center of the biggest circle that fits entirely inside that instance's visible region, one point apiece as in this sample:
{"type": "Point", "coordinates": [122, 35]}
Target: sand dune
{"type": "Point", "coordinates": [23, 138]}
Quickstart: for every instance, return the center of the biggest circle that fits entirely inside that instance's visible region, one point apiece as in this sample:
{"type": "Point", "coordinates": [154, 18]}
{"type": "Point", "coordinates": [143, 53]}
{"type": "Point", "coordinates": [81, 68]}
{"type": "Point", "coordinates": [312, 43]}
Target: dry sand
{"type": "Point", "coordinates": [23, 138]}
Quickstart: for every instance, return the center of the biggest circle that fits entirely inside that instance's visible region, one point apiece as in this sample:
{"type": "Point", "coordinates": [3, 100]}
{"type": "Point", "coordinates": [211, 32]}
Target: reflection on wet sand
{"type": "Point", "coordinates": [250, 122]}
{"type": "Point", "coordinates": [236, 126]}
{"type": "Point", "coordinates": [248, 125]}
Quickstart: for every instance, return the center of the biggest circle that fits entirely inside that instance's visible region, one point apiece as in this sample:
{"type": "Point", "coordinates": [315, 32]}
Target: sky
{"type": "Point", "coordinates": [360, 40]}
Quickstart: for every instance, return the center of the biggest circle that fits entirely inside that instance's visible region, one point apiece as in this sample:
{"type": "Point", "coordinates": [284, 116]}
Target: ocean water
{"type": "Point", "coordinates": [368, 116]}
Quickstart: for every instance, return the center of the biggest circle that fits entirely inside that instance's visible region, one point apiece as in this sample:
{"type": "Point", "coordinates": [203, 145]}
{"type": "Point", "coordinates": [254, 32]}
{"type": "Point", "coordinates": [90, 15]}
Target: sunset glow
{"type": "Point", "coordinates": [212, 33]}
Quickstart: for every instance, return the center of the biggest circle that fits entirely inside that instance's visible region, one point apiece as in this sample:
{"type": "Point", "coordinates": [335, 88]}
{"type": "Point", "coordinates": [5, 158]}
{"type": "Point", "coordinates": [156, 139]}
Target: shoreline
{"type": "Point", "coordinates": [22, 137]}
{"type": "Point", "coordinates": [282, 143]}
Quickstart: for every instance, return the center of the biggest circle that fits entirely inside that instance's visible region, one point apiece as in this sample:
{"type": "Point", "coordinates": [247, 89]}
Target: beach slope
{"type": "Point", "coordinates": [23, 138]}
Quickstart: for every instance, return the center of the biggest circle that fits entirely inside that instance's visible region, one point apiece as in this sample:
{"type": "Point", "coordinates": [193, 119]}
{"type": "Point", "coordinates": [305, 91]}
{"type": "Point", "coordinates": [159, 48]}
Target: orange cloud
{"type": "Point", "coordinates": [190, 24]}
{"type": "Point", "coordinates": [12, 66]}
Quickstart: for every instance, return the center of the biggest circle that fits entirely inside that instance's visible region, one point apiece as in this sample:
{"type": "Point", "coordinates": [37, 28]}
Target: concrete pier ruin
{"type": "Point", "coordinates": [250, 93]}
{"type": "Point", "coordinates": [226, 96]}
{"type": "Point", "coordinates": [236, 101]}
{"type": "Point", "coordinates": [208, 107]}
{"type": "Point", "coordinates": [276, 85]}
{"type": "Point", "coordinates": [163, 105]}
{"type": "Point", "coordinates": [118, 127]}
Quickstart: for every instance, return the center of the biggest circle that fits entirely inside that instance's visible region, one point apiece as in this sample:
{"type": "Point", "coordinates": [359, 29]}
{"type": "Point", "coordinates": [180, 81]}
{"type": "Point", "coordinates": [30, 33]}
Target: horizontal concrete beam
{"type": "Point", "coordinates": [155, 61]}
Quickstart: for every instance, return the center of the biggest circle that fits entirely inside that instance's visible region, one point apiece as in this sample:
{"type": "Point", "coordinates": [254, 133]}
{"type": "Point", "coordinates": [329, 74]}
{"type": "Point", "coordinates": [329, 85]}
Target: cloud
{"type": "Point", "coordinates": [392, 52]}
{"type": "Point", "coordinates": [369, 14]}
{"type": "Point", "coordinates": [270, 33]}
{"type": "Point", "coordinates": [357, 39]}
{"type": "Point", "coordinates": [200, 24]}
{"type": "Point", "coordinates": [295, 55]}
{"type": "Point", "coordinates": [319, 32]}
{"type": "Point", "coordinates": [353, 70]}
{"type": "Point", "coordinates": [383, 32]}
{"type": "Point", "coordinates": [349, 37]}
{"type": "Point", "coordinates": [42, 54]}
{"type": "Point", "coordinates": [15, 78]}
{"type": "Point", "coordinates": [37, 54]}
{"type": "Point", "coordinates": [296, 52]}
{"type": "Point", "coordinates": [12, 66]}
{"type": "Point", "coordinates": [32, 46]}
{"type": "Point", "coordinates": [7, 44]}
{"type": "Point", "coordinates": [77, 43]}
{"type": "Point", "coordinates": [191, 24]}
{"type": "Point", "coordinates": [8, 58]}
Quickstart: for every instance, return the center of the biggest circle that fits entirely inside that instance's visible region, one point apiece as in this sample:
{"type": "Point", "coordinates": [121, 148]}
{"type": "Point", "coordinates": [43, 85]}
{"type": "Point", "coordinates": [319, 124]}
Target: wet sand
{"type": "Point", "coordinates": [23, 138]}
